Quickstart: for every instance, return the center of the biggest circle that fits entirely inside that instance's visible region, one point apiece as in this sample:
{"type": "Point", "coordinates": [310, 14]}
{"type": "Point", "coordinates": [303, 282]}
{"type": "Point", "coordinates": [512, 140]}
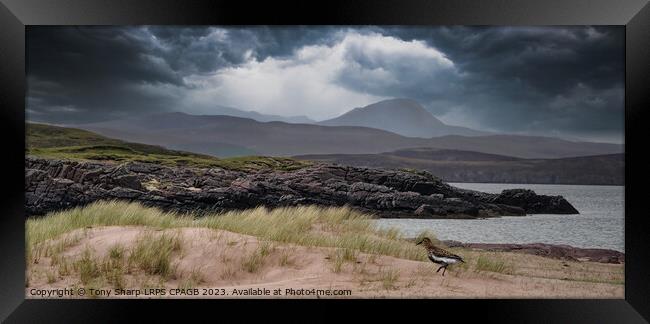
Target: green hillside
{"type": "Point", "coordinates": [70, 143]}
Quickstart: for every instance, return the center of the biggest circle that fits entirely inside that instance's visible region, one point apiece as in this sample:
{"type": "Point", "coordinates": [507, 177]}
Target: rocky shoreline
{"type": "Point", "coordinates": [52, 185]}
{"type": "Point", "coordinates": [555, 251]}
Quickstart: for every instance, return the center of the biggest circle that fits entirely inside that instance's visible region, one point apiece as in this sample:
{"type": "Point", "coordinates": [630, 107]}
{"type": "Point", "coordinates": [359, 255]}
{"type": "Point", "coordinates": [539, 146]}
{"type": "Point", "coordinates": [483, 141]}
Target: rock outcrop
{"type": "Point", "coordinates": [556, 251]}
{"type": "Point", "coordinates": [535, 204]}
{"type": "Point", "coordinates": [55, 184]}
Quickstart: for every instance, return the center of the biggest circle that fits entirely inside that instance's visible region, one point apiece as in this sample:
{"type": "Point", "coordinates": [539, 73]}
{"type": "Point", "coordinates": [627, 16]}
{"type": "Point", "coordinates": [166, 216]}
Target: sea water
{"type": "Point", "coordinates": [600, 223]}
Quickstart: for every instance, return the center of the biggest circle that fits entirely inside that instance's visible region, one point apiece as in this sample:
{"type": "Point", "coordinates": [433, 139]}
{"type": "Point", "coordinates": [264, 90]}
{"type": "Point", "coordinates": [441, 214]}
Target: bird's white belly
{"type": "Point", "coordinates": [445, 260]}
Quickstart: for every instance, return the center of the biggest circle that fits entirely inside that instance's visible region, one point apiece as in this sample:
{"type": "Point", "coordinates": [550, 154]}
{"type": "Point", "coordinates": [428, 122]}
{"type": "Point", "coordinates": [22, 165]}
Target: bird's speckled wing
{"type": "Point", "coordinates": [445, 254]}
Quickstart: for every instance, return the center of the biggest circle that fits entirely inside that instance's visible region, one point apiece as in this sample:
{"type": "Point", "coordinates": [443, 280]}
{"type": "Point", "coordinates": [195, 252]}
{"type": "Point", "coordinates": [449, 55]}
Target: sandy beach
{"type": "Point", "coordinates": [220, 264]}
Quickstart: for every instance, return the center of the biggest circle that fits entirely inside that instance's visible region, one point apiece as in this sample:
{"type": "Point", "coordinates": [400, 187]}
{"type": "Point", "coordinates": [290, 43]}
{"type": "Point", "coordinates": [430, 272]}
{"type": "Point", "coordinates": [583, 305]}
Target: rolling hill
{"type": "Point", "coordinates": [208, 135]}
{"type": "Point", "coordinates": [75, 144]}
{"type": "Point", "coordinates": [234, 112]}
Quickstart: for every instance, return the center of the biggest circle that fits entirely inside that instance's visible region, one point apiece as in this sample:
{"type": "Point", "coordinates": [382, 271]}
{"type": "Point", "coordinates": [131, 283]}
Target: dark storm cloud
{"type": "Point", "coordinates": [562, 81]}
{"type": "Point", "coordinates": [109, 54]}
{"type": "Point", "coordinates": [82, 74]}
{"type": "Point", "coordinates": [549, 58]}
{"type": "Point", "coordinates": [565, 80]}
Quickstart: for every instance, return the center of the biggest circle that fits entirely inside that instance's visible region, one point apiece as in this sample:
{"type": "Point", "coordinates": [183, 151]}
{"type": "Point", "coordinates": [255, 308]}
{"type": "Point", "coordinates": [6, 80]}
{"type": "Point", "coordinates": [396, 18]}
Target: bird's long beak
{"type": "Point", "coordinates": [418, 243]}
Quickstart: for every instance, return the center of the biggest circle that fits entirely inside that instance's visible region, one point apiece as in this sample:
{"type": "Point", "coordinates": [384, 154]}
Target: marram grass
{"type": "Point", "coordinates": [152, 253]}
{"type": "Point", "coordinates": [347, 231]}
{"type": "Point", "coordinates": [338, 227]}
{"type": "Point", "coordinates": [493, 264]}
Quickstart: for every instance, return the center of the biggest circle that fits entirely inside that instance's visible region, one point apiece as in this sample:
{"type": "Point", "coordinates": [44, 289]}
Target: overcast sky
{"type": "Point", "coordinates": [554, 81]}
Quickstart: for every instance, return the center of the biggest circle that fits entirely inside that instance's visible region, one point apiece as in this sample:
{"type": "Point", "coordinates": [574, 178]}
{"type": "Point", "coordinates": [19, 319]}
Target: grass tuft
{"type": "Point", "coordinates": [228, 273]}
{"type": "Point", "coordinates": [116, 252]}
{"type": "Point", "coordinates": [389, 278]}
{"type": "Point", "coordinates": [152, 253]}
{"type": "Point", "coordinates": [253, 262]}
{"type": "Point", "coordinates": [492, 264]}
{"type": "Point", "coordinates": [87, 267]}
{"type": "Point", "coordinates": [286, 259]}
{"type": "Point", "coordinates": [194, 279]}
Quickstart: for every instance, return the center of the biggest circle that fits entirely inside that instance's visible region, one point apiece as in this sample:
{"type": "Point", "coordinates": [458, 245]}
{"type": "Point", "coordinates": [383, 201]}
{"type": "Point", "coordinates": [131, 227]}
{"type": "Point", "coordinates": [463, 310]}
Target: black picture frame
{"type": "Point", "coordinates": [15, 15]}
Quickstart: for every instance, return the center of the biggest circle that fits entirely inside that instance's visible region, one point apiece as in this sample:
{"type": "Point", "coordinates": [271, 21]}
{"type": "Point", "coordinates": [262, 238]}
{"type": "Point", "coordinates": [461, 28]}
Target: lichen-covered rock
{"type": "Point", "coordinates": [53, 185]}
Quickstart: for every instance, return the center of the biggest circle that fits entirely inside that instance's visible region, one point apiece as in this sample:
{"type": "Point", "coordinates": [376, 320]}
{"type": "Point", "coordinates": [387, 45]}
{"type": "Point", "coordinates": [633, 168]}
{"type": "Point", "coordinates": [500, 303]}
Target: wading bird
{"type": "Point", "coordinates": [440, 256]}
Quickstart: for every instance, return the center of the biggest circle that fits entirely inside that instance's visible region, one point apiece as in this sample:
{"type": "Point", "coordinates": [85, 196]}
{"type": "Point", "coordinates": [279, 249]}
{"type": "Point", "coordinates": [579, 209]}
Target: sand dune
{"type": "Point", "coordinates": [221, 264]}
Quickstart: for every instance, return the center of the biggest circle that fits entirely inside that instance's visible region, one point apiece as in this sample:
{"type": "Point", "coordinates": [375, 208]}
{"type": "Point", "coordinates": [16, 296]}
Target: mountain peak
{"type": "Point", "coordinates": [398, 115]}
{"type": "Point", "coordinates": [401, 106]}
{"type": "Point", "coordinates": [399, 101]}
